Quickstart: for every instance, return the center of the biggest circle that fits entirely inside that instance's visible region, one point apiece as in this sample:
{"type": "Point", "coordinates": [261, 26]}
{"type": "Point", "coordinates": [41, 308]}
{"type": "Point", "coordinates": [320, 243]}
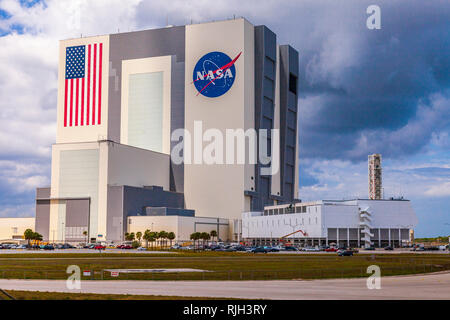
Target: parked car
{"type": "Point", "coordinates": [388, 248]}
{"type": "Point", "coordinates": [142, 249]}
{"type": "Point", "coordinates": [187, 248]}
{"type": "Point", "coordinates": [49, 247]}
{"type": "Point", "coordinates": [99, 247]}
{"type": "Point", "coordinates": [343, 253]}
{"type": "Point", "coordinates": [290, 248]}
{"type": "Point", "coordinates": [272, 249]}
{"type": "Point", "coordinates": [311, 249]}
{"type": "Point", "coordinates": [259, 250]}
{"type": "Point", "coordinates": [331, 249]}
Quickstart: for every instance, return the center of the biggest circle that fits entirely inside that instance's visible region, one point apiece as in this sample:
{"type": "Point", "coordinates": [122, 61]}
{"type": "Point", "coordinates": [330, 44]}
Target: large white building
{"type": "Point", "coordinates": [355, 223]}
{"type": "Point", "coordinates": [122, 97]}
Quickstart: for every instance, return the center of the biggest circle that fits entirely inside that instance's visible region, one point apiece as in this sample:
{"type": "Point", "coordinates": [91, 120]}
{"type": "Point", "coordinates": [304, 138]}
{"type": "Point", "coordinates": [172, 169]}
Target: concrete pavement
{"type": "Point", "coordinates": [429, 286]}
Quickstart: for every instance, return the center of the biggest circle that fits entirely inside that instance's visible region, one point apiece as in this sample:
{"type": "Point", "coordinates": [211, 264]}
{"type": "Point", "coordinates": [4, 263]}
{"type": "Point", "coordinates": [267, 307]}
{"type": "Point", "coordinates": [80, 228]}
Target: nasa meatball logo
{"type": "Point", "coordinates": [214, 74]}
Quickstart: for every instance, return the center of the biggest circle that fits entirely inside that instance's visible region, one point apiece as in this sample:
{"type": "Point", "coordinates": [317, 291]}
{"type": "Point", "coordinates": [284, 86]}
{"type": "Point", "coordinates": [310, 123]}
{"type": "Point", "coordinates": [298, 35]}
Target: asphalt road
{"type": "Point", "coordinates": [429, 286]}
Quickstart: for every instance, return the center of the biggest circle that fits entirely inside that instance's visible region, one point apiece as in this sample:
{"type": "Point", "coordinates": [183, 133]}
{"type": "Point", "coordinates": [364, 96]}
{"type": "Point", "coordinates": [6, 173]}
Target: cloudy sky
{"type": "Point", "coordinates": [362, 91]}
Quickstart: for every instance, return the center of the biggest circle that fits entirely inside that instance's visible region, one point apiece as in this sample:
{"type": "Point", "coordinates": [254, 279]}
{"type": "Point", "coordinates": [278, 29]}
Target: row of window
{"type": "Point", "coordinates": [287, 210]}
{"type": "Point", "coordinates": [296, 222]}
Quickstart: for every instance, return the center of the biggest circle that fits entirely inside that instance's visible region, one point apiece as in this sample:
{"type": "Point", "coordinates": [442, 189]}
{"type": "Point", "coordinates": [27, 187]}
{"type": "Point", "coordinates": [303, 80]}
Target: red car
{"type": "Point", "coordinates": [99, 247]}
{"type": "Point", "coordinates": [331, 249]}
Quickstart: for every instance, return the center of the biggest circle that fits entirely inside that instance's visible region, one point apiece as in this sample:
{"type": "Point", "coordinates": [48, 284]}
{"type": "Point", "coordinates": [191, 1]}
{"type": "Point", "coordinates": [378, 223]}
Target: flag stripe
{"type": "Point", "coordinates": [71, 102]}
{"type": "Point", "coordinates": [65, 103]}
{"type": "Point", "coordinates": [76, 103]}
{"type": "Point", "coordinates": [100, 84]}
{"type": "Point", "coordinates": [94, 83]}
{"type": "Point", "coordinates": [88, 85]}
{"type": "Point", "coordinates": [82, 102]}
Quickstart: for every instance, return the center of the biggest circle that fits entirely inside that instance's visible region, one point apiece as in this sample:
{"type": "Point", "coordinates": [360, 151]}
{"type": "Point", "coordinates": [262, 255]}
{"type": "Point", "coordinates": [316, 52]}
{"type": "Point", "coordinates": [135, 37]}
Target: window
{"type": "Point", "coordinates": [292, 83]}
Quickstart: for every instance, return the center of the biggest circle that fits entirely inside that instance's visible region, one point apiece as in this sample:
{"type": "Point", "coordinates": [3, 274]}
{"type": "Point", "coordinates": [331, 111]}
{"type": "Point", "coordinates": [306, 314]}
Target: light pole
{"type": "Point", "coordinates": [62, 232]}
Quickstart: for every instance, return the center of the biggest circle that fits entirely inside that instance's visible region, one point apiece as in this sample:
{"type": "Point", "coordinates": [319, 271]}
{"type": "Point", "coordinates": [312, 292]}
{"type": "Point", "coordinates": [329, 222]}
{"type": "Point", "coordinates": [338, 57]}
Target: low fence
{"type": "Point", "coordinates": [323, 273]}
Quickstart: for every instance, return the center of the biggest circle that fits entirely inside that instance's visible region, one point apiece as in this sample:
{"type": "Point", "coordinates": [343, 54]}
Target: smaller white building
{"type": "Point", "coordinates": [12, 229]}
{"type": "Point", "coordinates": [354, 223]}
{"type": "Point", "coordinates": [182, 226]}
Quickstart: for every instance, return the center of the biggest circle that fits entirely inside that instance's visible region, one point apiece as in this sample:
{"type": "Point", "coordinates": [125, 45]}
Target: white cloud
{"type": "Point", "coordinates": [337, 179]}
{"type": "Point", "coordinates": [439, 190]}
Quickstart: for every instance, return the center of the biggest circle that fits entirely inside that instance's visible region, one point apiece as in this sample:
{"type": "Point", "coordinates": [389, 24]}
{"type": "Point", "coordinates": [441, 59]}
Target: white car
{"type": "Point", "coordinates": [311, 249]}
{"type": "Point", "coordinates": [142, 249]}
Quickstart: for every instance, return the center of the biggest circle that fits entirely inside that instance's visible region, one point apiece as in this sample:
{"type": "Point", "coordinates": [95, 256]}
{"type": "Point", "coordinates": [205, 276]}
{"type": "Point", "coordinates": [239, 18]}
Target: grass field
{"type": "Point", "coordinates": [220, 265]}
{"type": "Point", "coordinates": [37, 295]}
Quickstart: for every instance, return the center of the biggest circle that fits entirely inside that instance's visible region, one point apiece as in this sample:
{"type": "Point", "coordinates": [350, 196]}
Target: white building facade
{"type": "Point", "coordinates": [355, 223]}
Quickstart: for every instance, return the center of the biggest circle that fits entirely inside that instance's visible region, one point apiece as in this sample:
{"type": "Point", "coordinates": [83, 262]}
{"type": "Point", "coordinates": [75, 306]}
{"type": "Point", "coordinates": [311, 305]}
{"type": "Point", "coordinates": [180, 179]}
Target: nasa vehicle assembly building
{"type": "Point", "coordinates": [128, 101]}
{"type": "Point", "coordinates": [122, 97]}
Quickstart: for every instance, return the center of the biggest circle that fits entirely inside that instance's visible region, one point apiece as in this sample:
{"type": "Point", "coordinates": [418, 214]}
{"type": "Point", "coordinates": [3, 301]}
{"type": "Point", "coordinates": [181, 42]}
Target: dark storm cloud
{"type": "Point", "coordinates": [374, 96]}
{"type": "Point", "coordinates": [354, 82]}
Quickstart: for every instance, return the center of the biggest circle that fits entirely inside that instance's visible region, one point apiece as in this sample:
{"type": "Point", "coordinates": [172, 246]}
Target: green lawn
{"type": "Point", "coordinates": [221, 265]}
{"type": "Point", "coordinates": [37, 295]}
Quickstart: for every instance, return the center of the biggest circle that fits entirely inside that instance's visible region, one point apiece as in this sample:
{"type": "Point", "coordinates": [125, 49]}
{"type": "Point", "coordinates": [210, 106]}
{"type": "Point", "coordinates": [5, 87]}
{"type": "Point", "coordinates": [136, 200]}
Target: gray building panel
{"type": "Point", "coordinates": [265, 74]}
{"type": "Point", "coordinates": [43, 193]}
{"type": "Point", "coordinates": [115, 221]}
{"type": "Point", "coordinates": [125, 201]}
{"type": "Point", "coordinates": [145, 44]}
{"type": "Point", "coordinates": [77, 213]}
{"type": "Point", "coordinates": [42, 221]}
{"type": "Point", "coordinates": [288, 119]}
{"type": "Point", "coordinates": [164, 211]}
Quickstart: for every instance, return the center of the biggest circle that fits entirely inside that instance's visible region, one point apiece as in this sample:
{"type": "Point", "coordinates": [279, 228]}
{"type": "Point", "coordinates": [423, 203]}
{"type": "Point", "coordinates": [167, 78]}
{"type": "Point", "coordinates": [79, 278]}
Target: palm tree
{"type": "Point", "coordinates": [147, 237]}
{"type": "Point", "coordinates": [153, 237]}
{"type": "Point", "coordinates": [171, 237]}
{"type": "Point", "coordinates": [37, 236]}
{"type": "Point", "coordinates": [129, 236]}
{"type": "Point", "coordinates": [193, 237]}
{"type": "Point", "coordinates": [85, 234]}
{"type": "Point", "coordinates": [204, 236]}
{"type": "Point", "coordinates": [163, 235]}
{"type": "Point", "coordinates": [213, 234]}
{"type": "Point", "coordinates": [139, 236]}
{"type": "Point", "coordinates": [28, 235]}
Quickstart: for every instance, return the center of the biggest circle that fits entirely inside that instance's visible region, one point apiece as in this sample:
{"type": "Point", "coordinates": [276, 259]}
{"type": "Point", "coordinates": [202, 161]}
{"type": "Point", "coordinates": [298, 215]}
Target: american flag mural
{"type": "Point", "coordinates": [83, 85]}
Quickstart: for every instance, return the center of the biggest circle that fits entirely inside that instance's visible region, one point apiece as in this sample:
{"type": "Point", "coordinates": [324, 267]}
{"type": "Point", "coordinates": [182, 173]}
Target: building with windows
{"type": "Point", "coordinates": [122, 98]}
{"type": "Point", "coordinates": [355, 223]}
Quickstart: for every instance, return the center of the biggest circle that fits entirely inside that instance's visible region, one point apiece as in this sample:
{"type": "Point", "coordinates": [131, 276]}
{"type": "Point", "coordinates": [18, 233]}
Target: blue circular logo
{"type": "Point", "coordinates": [214, 74]}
